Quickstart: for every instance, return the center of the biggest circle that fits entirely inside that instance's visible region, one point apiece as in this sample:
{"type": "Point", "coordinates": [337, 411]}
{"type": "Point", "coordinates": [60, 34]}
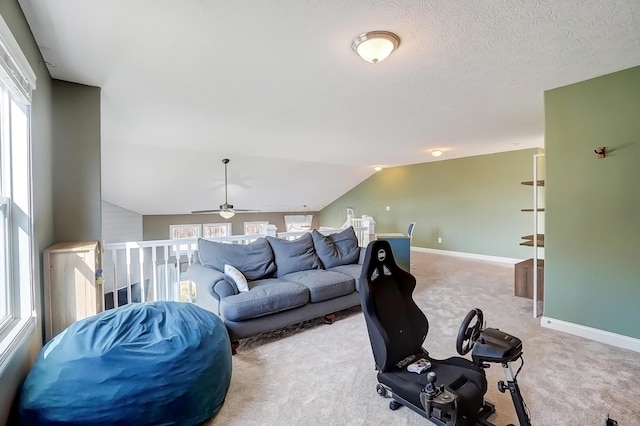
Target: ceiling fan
{"type": "Point", "coordinates": [226, 210]}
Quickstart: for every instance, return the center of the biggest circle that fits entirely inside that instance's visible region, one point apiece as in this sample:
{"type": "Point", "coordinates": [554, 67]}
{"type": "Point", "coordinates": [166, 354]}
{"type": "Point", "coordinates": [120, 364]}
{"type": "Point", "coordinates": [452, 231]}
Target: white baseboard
{"type": "Point", "coordinates": [598, 335]}
{"type": "Point", "coordinates": [509, 260]}
{"type": "Point", "coordinates": [601, 336]}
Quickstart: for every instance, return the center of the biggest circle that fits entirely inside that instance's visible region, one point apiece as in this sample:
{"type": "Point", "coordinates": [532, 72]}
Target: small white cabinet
{"type": "Point", "coordinates": [72, 290]}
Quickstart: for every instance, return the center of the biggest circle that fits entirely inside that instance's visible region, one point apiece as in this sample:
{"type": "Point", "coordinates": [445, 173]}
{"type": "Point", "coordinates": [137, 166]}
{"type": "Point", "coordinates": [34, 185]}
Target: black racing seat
{"type": "Point", "coordinates": [397, 329]}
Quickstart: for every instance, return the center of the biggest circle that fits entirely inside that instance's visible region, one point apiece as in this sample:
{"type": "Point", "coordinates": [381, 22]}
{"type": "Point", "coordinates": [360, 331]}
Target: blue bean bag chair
{"type": "Point", "coordinates": [160, 363]}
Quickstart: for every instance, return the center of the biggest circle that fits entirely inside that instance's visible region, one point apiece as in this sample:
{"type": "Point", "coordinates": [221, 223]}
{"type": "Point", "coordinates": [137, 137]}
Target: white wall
{"type": "Point", "coordinates": [120, 225]}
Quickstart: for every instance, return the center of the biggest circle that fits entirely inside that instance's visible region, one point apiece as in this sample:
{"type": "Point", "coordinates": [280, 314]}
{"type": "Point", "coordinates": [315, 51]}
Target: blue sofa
{"type": "Point", "coordinates": [273, 283]}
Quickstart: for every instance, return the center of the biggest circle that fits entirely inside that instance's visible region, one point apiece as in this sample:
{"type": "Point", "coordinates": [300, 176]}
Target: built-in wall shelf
{"type": "Point", "coordinates": [529, 274]}
{"type": "Point", "coordinates": [529, 241]}
{"type": "Point", "coordinates": [530, 237]}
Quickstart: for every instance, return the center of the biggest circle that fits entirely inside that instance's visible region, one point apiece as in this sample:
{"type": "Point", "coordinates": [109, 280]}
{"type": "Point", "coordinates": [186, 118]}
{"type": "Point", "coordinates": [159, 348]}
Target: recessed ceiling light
{"type": "Point", "coordinates": [436, 152]}
{"type": "Point", "coordinates": [377, 168]}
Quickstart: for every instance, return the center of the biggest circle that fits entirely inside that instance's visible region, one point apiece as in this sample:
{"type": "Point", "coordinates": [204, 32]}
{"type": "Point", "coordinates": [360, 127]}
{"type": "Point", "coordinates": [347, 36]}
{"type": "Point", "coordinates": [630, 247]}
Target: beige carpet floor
{"type": "Point", "coordinates": [318, 374]}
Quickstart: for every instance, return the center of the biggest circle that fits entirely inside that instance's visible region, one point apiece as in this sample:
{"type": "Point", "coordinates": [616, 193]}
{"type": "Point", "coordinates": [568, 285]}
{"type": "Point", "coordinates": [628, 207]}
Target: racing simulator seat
{"type": "Point", "coordinates": [448, 392]}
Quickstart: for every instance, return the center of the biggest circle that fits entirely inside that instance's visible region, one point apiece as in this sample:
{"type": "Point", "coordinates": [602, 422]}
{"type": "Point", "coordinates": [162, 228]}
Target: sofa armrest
{"type": "Point", "coordinates": [210, 286]}
{"type": "Point", "coordinates": [363, 252]}
{"type": "Point", "coordinates": [225, 288]}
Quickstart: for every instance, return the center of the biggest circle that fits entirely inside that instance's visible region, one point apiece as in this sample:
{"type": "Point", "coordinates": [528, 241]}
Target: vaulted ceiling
{"type": "Point", "coordinates": [275, 87]}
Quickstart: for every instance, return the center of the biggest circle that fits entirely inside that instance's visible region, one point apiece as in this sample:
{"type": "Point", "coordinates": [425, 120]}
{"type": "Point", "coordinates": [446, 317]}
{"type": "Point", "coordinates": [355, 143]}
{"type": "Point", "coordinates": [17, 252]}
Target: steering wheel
{"type": "Point", "coordinates": [468, 334]}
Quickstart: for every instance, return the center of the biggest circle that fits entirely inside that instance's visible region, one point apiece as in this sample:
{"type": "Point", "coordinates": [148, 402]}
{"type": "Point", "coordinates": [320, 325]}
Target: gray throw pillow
{"type": "Point", "coordinates": [294, 256]}
{"type": "Point", "coordinates": [254, 260]}
{"type": "Point", "coordinates": [337, 249]}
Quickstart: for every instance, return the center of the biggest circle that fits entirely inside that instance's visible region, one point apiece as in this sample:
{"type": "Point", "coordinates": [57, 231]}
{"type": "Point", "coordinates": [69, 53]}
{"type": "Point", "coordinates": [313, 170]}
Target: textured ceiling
{"type": "Point", "coordinates": [275, 87]}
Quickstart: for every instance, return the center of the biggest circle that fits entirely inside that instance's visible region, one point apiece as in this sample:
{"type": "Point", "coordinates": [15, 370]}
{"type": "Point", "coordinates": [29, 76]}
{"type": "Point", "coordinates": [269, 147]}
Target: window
{"type": "Point", "coordinates": [298, 222]}
{"type": "Point", "coordinates": [17, 80]}
{"type": "Point", "coordinates": [255, 228]}
{"type": "Point", "coordinates": [179, 232]}
{"type": "Point", "coordinates": [5, 307]}
{"type": "Point", "coordinates": [211, 230]}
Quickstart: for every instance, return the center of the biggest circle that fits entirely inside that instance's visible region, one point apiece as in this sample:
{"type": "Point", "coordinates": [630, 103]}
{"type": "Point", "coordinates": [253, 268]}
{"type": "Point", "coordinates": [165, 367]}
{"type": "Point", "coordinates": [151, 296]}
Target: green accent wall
{"type": "Point", "coordinates": [592, 269]}
{"type": "Point", "coordinates": [76, 173]}
{"type": "Point", "coordinates": [474, 203]}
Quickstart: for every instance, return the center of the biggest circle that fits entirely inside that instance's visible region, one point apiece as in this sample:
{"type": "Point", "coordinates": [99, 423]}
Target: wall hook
{"type": "Point", "coordinates": [600, 151]}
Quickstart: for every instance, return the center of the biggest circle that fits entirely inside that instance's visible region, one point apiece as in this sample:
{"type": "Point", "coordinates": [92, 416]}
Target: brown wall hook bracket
{"type": "Point", "coordinates": [600, 151]}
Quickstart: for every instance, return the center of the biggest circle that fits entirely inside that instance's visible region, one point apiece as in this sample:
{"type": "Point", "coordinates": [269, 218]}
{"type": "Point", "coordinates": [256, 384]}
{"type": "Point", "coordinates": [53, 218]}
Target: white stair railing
{"type": "Point", "coordinates": [146, 270]}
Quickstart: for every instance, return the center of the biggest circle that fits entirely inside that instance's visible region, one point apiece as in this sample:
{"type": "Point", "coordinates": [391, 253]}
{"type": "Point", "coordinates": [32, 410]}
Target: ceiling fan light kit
{"type": "Point", "coordinates": [226, 210]}
{"type": "Point", "coordinates": [227, 214]}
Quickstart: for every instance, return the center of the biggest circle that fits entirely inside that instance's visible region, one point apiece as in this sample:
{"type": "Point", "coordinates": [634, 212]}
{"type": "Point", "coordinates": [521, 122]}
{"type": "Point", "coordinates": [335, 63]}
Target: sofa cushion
{"type": "Point", "coordinates": [336, 249]}
{"type": "Point", "coordinates": [323, 285]}
{"type": "Point", "coordinates": [254, 260]}
{"type": "Point", "coordinates": [266, 297]}
{"type": "Point", "coordinates": [354, 270]}
{"type": "Point", "coordinates": [294, 256]}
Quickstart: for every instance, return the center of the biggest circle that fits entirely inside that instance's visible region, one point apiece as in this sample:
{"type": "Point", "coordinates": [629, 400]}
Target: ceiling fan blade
{"type": "Point", "coordinates": [206, 211]}
{"type": "Point", "coordinates": [219, 210]}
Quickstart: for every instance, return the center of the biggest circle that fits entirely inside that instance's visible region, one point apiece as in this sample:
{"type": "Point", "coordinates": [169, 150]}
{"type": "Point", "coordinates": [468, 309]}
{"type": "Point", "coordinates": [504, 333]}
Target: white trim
{"type": "Point", "coordinates": [536, 225]}
{"type": "Point", "coordinates": [18, 334]}
{"type": "Point", "coordinates": [509, 260]}
{"type": "Point", "coordinates": [13, 49]}
{"type": "Point", "coordinates": [598, 335]}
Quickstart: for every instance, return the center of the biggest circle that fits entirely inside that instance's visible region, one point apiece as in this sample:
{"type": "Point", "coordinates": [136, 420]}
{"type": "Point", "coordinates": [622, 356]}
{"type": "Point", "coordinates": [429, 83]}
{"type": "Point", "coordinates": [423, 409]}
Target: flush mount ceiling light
{"type": "Point", "coordinates": [377, 168]}
{"type": "Point", "coordinates": [436, 152]}
{"type": "Point", "coordinates": [375, 46]}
